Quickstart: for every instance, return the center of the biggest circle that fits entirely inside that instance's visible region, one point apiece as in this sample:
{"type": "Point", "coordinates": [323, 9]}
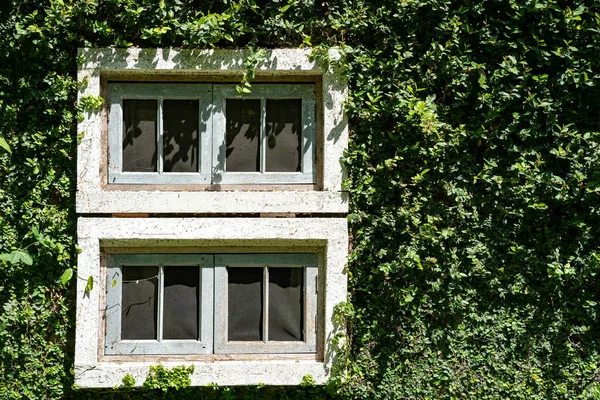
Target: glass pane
{"type": "Point", "coordinates": [245, 303]}
{"type": "Point", "coordinates": [180, 307]}
{"type": "Point", "coordinates": [243, 135]}
{"type": "Point", "coordinates": [139, 135]}
{"type": "Point", "coordinates": [285, 303]}
{"type": "Point", "coordinates": [138, 320]}
{"type": "Point", "coordinates": [180, 135]}
{"type": "Point", "coordinates": [284, 135]}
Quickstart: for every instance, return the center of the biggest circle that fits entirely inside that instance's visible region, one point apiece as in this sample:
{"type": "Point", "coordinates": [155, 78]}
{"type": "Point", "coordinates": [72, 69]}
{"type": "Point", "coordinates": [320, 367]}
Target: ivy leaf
{"type": "Point", "coordinates": [40, 238]}
{"type": "Point", "coordinates": [5, 145]}
{"type": "Point", "coordinates": [90, 285]}
{"type": "Point", "coordinates": [17, 256]}
{"type": "Point", "coordinates": [25, 257]}
{"type": "Point", "coordinates": [66, 276]}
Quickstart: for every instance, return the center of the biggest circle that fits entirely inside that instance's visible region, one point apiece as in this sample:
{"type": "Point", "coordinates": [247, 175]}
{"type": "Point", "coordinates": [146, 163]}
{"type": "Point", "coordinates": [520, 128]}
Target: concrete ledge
{"type": "Point", "coordinates": [223, 373]}
{"type": "Point", "coordinates": [211, 202]}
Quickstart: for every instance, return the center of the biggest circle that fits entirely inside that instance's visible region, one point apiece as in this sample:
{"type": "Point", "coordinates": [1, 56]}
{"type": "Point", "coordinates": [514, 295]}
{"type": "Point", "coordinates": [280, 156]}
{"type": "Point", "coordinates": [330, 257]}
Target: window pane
{"type": "Point", "coordinates": [180, 304]}
{"type": "Point", "coordinates": [180, 135]}
{"type": "Point", "coordinates": [138, 320]}
{"type": "Point", "coordinates": [243, 135]}
{"type": "Point", "coordinates": [139, 135]}
{"type": "Point", "coordinates": [245, 303]}
{"type": "Point", "coordinates": [284, 135]}
{"type": "Point", "coordinates": [285, 303]}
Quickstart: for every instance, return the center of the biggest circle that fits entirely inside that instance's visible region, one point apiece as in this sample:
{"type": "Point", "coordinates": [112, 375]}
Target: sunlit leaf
{"type": "Point", "coordinates": [17, 256]}
{"type": "Point", "coordinates": [5, 145]}
{"type": "Point", "coordinates": [66, 276]}
{"type": "Point", "coordinates": [90, 284]}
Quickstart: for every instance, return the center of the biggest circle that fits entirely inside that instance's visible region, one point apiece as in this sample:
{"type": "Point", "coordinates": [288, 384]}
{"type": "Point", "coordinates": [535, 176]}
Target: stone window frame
{"type": "Point", "coordinates": [180, 219]}
{"type": "Point", "coordinates": [98, 236]}
{"type": "Point", "coordinates": [99, 66]}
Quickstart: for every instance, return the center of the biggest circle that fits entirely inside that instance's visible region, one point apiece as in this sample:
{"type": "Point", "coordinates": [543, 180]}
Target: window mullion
{"type": "Point", "coordinates": [206, 110]}
{"type": "Point", "coordinates": [161, 290]}
{"type": "Point", "coordinates": [263, 134]}
{"type": "Point", "coordinates": [202, 150]}
{"type": "Point", "coordinates": [265, 321]}
{"type": "Point", "coordinates": [200, 302]}
{"type": "Point", "coordinates": [159, 136]}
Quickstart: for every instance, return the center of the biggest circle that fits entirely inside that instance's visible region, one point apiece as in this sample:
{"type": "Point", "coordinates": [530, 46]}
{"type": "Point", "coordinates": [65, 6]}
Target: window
{"type": "Point", "coordinates": [211, 225]}
{"type": "Point", "coordinates": [265, 303]}
{"type": "Point", "coordinates": [194, 133]}
{"type": "Point", "coordinates": [159, 304]}
{"type": "Point", "coordinates": [205, 278]}
{"type": "Point", "coordinates": [173, 136]}
{"type": "Point", "coordinates": [177, 303]}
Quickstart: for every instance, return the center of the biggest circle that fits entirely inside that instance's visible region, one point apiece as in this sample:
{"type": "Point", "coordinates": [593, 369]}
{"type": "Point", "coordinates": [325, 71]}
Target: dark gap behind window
{"type": "Point", "coordinates": [284, 135]}
{"type": "Point", "coordinates": [242, 135]}
{"type": "Point", "coordinates": [180, 135]}
{"type": "Point", "coordinates": [245, 304]}
{"type": "Point", "coordinates": [285, 304]}
{"type": "Point", "coordinates": [139, 135]}
{"type": "Point", "coordinates": [181, 302]}
{"type": "Point", "coordinates": [139, 302]}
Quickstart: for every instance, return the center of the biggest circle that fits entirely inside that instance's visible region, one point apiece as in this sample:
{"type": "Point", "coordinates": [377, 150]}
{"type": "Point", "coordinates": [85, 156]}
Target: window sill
{"type": "Point", "coordinates": [215, 202]}
{"type": "Point", "coordinates": [208, 358]}
{"type": "Point", "coordinates": [224, 373]}
{"type": "Point", "coordinates": [213, 188]}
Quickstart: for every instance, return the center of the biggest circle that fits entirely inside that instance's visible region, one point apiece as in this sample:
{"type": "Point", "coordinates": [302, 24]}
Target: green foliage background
{"type": "Point", "coordinates": [474, 176]}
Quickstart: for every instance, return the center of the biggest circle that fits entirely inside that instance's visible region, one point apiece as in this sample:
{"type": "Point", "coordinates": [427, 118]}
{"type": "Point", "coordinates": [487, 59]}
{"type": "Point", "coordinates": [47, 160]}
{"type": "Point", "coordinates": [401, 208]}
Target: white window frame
{"type": "Point", "coordinates": [115, 345]}
{"type": "Point", "coordinates": [158, 91]}
{"type": "Point", "coordinates": [263, 92]}
{"type": "Point", "coordinates": [211, 132]}
{"type": "Point", "coordinates": [213, 304]}
{"type": "Point", "coordinates": [266, 261]}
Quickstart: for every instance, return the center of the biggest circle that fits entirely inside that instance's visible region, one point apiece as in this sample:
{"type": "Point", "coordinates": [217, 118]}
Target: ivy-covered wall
{"type": "Point", "coordinates": [474, 175]}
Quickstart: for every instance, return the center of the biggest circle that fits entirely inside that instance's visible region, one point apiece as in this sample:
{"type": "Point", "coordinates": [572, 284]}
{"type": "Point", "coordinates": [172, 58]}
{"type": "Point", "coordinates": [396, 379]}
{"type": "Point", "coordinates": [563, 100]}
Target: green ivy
{"type": "Point", "coordinates": [162, 378]}
{"type": "Point", "coordinates": [473, 175]}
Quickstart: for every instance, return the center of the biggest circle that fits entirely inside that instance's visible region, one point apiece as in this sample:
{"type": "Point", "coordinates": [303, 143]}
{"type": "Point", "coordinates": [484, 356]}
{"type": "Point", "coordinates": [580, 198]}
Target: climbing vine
{"type": "Point", "coordinates": [473, 175]}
